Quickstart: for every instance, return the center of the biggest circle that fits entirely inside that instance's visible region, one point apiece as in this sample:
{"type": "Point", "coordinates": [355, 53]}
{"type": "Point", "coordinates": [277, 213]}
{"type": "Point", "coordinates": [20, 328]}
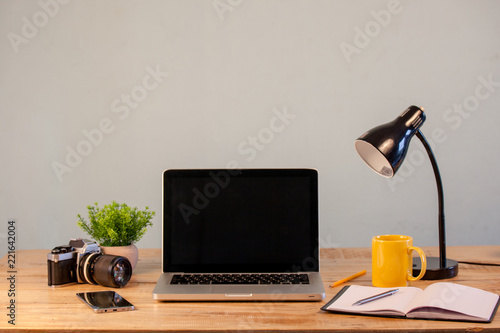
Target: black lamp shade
{"type": "Point", "coordinates": [384, 147]}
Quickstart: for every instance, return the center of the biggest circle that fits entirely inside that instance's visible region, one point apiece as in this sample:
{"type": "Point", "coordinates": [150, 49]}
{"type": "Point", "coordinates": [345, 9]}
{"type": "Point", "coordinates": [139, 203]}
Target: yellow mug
{"type": "Point", "coordinates": [392, 262]}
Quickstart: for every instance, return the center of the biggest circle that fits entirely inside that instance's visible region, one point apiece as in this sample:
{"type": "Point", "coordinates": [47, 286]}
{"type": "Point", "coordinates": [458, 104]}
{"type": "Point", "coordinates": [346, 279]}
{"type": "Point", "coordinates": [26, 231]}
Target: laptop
{"type": "Point", "coordinates": [240, 234]}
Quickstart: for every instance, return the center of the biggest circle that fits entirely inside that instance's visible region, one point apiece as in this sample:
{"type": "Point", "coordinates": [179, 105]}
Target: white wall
{"type": "Point", "coordinates": [222, 70]}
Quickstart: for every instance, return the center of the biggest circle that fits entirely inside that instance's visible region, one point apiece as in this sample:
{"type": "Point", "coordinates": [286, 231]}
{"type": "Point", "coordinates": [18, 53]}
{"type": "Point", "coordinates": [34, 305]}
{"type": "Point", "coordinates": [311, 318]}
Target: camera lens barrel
{"type": "Point", "coordinates": [105, 270]}
{"type": "Point", "coordinates": [112, 271]}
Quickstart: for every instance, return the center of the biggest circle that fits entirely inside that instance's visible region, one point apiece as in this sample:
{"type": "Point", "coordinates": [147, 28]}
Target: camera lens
{"type": "Point", "coordinates": [106, 270]}
{"type": "Point", "coordinates": [112, 271]}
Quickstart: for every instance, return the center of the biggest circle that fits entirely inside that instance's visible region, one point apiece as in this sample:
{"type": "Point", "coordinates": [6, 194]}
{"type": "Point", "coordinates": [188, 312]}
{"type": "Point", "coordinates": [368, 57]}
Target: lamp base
{"type": "Point", "coordinates": [434, 271]}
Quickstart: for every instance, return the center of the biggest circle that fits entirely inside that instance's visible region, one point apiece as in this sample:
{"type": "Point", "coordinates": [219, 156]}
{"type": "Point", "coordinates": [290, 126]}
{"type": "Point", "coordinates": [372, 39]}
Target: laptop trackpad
{"type": "Point", "coordinates": [239, 291]}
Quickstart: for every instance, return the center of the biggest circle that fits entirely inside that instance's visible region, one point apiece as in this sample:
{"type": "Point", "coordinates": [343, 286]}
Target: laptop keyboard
{"type": "Point", "coordinates": [288, 278]}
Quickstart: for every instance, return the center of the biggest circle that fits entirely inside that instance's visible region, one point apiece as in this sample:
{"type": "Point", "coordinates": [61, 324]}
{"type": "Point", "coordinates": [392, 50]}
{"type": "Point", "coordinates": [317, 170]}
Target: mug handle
{"type": "Point", "coordinates": [423, 263]}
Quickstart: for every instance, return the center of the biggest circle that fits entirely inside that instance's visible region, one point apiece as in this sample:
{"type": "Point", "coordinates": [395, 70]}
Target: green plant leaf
{"type": "Point", "coordinates": [116, 224]}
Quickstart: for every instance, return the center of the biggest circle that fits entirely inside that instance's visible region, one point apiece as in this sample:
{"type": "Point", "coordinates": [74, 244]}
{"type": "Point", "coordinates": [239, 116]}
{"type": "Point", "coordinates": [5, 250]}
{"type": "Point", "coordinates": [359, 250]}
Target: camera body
{"type": "Point", "coordinates": [63, 262]}
{"type": "Point", "coordinates": [82, 262]}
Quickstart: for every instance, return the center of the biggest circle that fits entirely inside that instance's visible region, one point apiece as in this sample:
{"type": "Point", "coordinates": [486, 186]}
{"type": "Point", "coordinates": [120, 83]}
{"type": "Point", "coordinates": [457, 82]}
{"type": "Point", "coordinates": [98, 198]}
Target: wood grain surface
{"type": "Point", "coordinates": [41, 308]}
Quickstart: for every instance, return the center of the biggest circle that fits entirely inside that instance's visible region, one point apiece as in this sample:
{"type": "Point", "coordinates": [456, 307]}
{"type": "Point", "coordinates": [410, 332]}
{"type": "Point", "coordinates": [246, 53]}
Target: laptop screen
{"type": "Point", "coordinates": [246, 220]}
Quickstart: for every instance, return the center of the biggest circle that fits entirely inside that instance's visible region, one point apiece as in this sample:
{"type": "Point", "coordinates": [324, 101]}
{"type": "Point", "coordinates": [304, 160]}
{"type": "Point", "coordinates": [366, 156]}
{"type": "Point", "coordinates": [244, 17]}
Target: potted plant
{"type": "Point", "coordinates": [116, 227]}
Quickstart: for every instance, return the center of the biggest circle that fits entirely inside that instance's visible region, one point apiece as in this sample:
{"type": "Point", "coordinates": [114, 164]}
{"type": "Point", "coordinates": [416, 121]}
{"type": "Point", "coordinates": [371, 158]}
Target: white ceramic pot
{"type": "Point", "coordinates": [130, 252]}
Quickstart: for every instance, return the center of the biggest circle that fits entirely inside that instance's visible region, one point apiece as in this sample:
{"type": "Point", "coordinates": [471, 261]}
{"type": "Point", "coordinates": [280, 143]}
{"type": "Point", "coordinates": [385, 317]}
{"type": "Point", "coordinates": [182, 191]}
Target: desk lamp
{"type": "Point", "coordinates": [383, 149]}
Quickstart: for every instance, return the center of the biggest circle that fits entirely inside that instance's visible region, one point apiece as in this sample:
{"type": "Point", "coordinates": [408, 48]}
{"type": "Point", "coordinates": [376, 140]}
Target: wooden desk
{"type": "Point", "coordinates": [39, 307]}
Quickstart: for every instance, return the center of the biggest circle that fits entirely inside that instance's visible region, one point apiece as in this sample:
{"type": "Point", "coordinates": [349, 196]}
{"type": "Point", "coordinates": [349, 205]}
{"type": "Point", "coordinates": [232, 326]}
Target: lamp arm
{"type": "Point", "coordinates": [439, 183]}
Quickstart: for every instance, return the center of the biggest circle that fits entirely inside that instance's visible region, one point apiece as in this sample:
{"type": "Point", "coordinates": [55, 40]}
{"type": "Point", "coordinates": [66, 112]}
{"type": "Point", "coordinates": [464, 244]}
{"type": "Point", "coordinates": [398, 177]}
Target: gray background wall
{"type": "Point", "coordinates": [99, 97]}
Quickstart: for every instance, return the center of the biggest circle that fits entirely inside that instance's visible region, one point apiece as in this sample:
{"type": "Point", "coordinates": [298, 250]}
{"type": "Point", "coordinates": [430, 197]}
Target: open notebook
{"type": "Point", "coordinates": [440, 301]}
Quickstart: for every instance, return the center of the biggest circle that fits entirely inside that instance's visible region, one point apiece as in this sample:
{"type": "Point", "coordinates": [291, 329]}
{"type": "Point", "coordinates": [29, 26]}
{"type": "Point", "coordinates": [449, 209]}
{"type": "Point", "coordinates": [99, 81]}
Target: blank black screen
{"type": "Point", "coordinates": [249, 220]}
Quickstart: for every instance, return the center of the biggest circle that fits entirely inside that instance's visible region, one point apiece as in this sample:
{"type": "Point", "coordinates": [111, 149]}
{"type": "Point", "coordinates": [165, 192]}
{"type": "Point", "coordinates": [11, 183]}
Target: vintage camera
{"type": "Point", "coordinates": [82, 262]}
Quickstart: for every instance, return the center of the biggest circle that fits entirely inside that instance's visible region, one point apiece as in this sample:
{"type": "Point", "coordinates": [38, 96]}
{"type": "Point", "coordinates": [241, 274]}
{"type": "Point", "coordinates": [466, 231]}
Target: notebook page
{"type": "Point", "coordinates": [396, 304]}
{"type": "Point", "coordinates": [458, 298]}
